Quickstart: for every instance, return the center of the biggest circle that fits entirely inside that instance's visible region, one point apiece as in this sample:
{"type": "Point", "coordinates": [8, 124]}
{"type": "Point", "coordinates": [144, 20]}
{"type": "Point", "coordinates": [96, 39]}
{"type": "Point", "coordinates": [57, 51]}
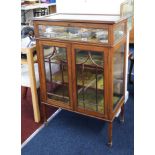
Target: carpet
{"type": "Point", "coordinates": [28, 126]}
{"type": "Point", "coordinates": [73, 134]}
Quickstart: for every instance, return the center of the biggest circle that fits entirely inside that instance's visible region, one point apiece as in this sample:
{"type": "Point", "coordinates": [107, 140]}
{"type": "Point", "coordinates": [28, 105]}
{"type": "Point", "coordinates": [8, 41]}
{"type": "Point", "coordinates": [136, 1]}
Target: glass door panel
{"type": "Point", "coordinates": [118, 74]}
{"type": "Point", "coordinates": [56, 71]}
{"type": "Point", "coordinates": [90, 80]}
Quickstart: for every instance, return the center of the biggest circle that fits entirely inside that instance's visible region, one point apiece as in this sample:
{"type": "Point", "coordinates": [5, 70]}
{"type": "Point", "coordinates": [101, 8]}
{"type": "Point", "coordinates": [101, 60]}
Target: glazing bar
{"type": "Point", "coordinates": [62, 77]}
{"type": "Point", "coordinates": [83, 97]}
{"type": "Point", "coordinates": [96, 92]}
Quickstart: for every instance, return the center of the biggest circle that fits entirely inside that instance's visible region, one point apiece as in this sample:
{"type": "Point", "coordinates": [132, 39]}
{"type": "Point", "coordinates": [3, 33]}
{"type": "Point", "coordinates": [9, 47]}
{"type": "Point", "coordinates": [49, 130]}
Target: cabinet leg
{"type": "Point", "coordinates": [122, 114]}
{"type": "Point", "coordinates": [109, 134]}
{"type": "Point", "coordinates": [44, 113]}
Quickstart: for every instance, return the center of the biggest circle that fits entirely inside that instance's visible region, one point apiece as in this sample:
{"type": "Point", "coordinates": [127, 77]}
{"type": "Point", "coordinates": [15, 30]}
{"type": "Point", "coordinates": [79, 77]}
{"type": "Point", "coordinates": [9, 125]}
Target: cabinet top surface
{"type": "Point", "coordinates": [97, 18]}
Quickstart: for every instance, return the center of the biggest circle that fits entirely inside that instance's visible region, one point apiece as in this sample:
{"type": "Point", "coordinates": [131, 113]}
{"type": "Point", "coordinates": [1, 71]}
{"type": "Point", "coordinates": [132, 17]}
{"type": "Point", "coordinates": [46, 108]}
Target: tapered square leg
{"type": "Point", "coordinates": [122, 114]}
{"type": "Point", "coordinates": [109, 134]}
{"type": "Point", "coordinates": [44, 113]}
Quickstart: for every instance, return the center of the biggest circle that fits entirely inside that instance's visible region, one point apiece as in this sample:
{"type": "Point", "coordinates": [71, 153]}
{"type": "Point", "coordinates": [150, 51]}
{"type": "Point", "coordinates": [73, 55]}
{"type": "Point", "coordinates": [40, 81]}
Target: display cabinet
{"type": "Point", "coordinates": [86, 55]}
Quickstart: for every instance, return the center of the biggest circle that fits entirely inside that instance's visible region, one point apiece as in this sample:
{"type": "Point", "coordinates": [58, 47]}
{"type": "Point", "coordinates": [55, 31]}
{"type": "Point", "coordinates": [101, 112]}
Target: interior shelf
{"type": "Point", "coordinates": [88, 100]}
{"type": "Point", "coordinates": [89, 79]}
{"type": "Point", "coordinates": [58, 92]}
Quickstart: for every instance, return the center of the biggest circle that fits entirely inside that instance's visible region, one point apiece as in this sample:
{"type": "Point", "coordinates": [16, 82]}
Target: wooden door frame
{"type": "Point", "coordinates": [105, 74]}
{"type": "Point", "coordinates": [42, 75]}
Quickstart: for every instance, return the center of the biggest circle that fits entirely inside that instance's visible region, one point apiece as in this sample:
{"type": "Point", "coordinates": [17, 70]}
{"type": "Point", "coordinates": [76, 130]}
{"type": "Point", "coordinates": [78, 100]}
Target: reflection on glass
{"type": "Point", "coordinates": [74, 33]}
{"type": "Point", "coordinates": [127, 8]}
{"type": "Point", "coordinates": [118, 74]}
{"type": "Point", "coordinates": [56, 70]}
{"type": "Point", "coordinates": [129, 23]}
{"type": "Point", "coordinates": [119, 32]}
{"type": "Point", "coordinates": [90, 80]}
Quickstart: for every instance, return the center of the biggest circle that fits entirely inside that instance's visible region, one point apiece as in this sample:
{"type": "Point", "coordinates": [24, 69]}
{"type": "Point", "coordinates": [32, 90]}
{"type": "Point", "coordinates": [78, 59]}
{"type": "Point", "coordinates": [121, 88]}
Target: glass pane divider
{"type": "Point", "coordinates": [62, 76]}
{"type": "Point", "coordinates": [96, 92]}
{"type": "Point", "coordinates": [83, 85]}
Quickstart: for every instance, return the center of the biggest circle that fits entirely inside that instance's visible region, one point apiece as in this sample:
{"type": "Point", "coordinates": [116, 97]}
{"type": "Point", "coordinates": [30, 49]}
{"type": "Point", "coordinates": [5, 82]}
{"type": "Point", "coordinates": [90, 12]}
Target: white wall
{"type": "Point", "coordinates": [89, 6]}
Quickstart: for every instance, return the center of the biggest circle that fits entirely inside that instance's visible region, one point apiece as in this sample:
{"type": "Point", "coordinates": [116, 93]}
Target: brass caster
{"type": "Point", "coordinates": [109, 144]}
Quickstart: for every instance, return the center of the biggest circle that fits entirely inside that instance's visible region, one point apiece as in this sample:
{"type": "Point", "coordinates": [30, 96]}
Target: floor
{"type": "Point", "coordinates": [28, 126]}
{"type": "Point", "coordinates": [74, 134]}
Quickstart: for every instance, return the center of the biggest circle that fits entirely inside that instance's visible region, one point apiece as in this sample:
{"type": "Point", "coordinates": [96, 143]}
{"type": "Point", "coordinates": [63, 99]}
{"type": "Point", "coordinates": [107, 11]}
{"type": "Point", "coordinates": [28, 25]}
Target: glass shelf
{"type": "Point", "coordinates": [58, 92]}
{"type": "Point", "coordinates": [88, 100]}
{"type": "Point", "coordinates": [89, 79]}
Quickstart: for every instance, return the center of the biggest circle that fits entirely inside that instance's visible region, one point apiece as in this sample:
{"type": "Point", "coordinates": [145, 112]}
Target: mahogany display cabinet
{"type": "Point", "coordinates": [82, 60]}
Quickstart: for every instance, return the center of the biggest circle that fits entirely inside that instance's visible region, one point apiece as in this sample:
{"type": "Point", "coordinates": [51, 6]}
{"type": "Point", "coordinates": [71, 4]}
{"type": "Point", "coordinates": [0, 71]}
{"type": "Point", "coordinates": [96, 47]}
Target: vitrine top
{"type": "Point", "coordinates": [87, 18]}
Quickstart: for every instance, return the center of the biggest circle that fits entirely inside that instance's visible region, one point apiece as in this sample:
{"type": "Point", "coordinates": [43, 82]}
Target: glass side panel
{"type": "Point", "coordinates": [90, 80]}
{"type": "Point", "coordinates": [119, 32]}
{"type": "Point", "coordinates": [129, 23]}
{"type": "Point", "coordinates": [118, 74]}
{"type": "Point", "coordinates": [74, 33]}
{"type": "Point", "coordinates": [56, 70]}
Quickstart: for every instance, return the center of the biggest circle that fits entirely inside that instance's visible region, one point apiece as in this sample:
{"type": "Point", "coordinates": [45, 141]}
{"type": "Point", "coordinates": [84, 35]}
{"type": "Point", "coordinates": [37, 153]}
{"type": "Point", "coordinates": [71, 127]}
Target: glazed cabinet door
{"type": "Point", "coordinates": [55, 73]}
{"type": "Point", "coordinates": [89, 66]}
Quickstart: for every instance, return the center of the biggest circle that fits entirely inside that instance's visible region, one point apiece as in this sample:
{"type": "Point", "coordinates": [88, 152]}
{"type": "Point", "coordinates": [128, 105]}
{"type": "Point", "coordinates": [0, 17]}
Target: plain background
{"type": "Point", "coordinates": [10, 90]}
{"type": "Point", "coordinates": [89, 6]}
